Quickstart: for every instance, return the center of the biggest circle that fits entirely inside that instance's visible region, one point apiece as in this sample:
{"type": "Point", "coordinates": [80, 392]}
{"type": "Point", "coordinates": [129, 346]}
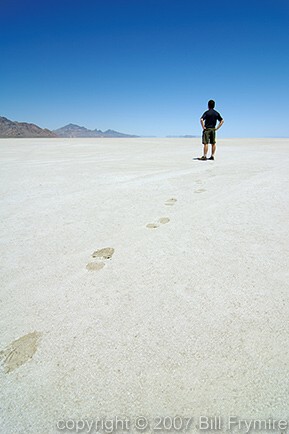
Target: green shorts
{"type": "Point", "coordinates": [209, 136]}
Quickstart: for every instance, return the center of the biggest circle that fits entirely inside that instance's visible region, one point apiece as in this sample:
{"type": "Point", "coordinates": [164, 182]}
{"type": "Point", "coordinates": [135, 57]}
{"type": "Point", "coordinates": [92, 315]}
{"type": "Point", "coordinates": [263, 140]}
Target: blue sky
{"type": "Point", "coordinates": [146, 67]}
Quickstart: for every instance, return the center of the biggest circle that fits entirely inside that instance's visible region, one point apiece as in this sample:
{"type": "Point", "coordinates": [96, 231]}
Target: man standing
{"type": "Point", "coordinates": [208, 122]}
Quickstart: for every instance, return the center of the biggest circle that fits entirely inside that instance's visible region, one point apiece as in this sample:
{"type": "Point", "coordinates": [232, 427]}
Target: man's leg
{"type": "Point", "coordinates": [205, 143]}
{"type": "Point", "coordinates": [205, 149]}
{"type": "Point", "coordinates": [213, 149]}
{"type": "Point", "coordinates": [213, 142]}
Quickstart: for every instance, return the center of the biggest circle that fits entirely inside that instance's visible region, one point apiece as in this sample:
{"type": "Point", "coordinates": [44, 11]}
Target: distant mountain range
{"type": "Point", "coordinates": [22, 129]}
{"type": "Point", "coordinates": [10, 128]}
{"type": "Point", "coordinates": [72, 130]}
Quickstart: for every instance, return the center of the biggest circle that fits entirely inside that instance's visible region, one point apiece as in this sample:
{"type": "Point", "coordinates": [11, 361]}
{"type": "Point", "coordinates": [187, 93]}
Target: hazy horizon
{"type": "Point", "coordinates": [183, 135]}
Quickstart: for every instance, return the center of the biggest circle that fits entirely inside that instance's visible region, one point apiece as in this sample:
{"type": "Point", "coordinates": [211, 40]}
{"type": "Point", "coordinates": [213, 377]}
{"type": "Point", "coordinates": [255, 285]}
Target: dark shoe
{"type": "Point", "coordinates": [203, 158]}
{"type": "Point", "coordinates": [211, 158]}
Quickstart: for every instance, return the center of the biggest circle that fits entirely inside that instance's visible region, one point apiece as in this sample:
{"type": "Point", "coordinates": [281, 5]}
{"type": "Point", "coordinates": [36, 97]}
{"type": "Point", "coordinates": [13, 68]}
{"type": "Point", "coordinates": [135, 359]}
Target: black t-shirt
{"type": "Point", "coordinates": [211, 117]}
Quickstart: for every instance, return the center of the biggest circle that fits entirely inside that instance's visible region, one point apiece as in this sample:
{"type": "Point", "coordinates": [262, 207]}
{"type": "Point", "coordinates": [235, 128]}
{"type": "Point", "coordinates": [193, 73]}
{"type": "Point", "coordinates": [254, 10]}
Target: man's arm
{"type": "Point", "coordinates": [220, 124]}
{"type": "Point", "coordinates": [203, 123]}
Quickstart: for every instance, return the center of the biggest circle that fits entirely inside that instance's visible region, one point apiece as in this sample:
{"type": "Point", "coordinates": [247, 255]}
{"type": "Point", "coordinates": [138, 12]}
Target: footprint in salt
{"type": "Point", "coordinates": [99, 256]}
{"type": "Point", "coordinates": [161, 221]}
{"type": "Point", "coordinates": [19, 351]}
{"type": "Point", "coordinates": [171, 202]}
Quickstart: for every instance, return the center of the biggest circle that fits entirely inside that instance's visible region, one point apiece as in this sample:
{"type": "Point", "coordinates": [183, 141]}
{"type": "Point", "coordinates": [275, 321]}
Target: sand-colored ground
{"type": "Point", "coordinates": [136, 280]}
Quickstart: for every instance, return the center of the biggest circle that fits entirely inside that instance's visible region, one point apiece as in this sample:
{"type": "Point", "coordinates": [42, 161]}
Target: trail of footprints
{"type": "Point", "coordinates": [200, 190]}
{"type": "Point", "coordinates": [22, 349]}
{"type": "Point", "coordinates": [162, 220]}
{"type": "Point", "coordinates": [101, 256]}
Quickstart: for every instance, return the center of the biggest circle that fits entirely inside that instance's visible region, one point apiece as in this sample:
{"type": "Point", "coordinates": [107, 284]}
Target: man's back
{"type": "Point", "coordinates": [211, 117]}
